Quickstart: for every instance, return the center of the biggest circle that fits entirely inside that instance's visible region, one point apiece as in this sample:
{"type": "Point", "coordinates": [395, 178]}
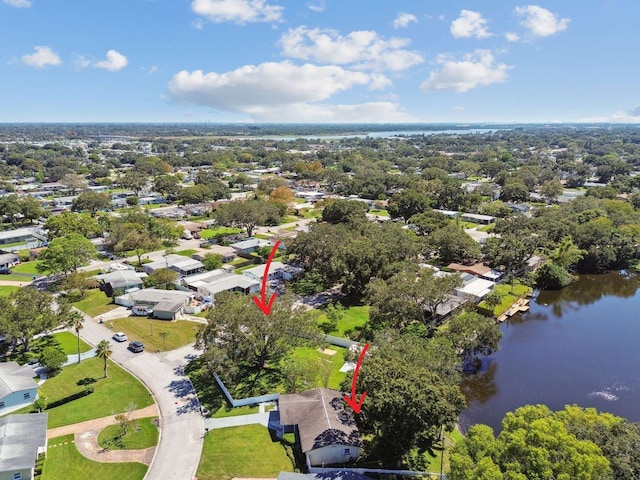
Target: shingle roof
{"type": "Point", "coordinates": [14, 378]}
{"type": "Point", "coordinates": [321, 418]}
{"type": "Point", "coordinates": [20, 438]}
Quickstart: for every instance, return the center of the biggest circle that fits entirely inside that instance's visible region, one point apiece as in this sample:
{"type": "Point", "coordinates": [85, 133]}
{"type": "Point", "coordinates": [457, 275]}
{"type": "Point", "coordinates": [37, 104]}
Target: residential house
{"type": "Point", "coordinates": [327, 432]}
{"type": "Point", "coordinates": [180, 264]}
{"type": "Point", "coordinates": [277, 271]}
{"type": "Point", "coordinates": [210, 283]}
{"type": "Point", "coordinates": [121, 280]}
{"type": "Point", "coordinates": [166, 304]}
{"type": "Point", "coordinates": [17, 386]}
{"type": "Point", "coordinates": [474, 288]}
{"type": "Point", "coordinates": [250, 245]}
{"type": "Point", "coordinates": [478, 269]}
{"type": "Point", "coordinates": [8, 260]}
{"type": "Point", "coordinates": [477, 218]}
{"type": "Point", "coordinates": [22, 439]}
{"type": "Point", "coordinates": [228, 254]}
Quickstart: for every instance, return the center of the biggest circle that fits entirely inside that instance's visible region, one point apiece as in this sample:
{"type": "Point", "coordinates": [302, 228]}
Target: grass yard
{"type": "Point", "coordinates": [65, 341]}
{"type": "Point", "coordinates": [288, 219]}
{"type": "Point", "coordinates": [354, 317]}
{"type": "Point", "coordinates": [334, 362]}
{"type": "Point", "coordinates": [64, 461]}
{"type": "Point", "coordinates": [143, 433]}
{"type": "Point", "coordinates": [28, 268]}
{"type": "Point", "coordinates": [227, 411]}
{"type": "Point", "coordinates": [246, 451]}
{"type": "Point", "coordinates": [508, 298]}
{"type": "Point", "coordinates": [181, 332]}
{"type": "Point", "coordinates": [6, 290]}
{"type": "Point", "coordinates": [487, 228]}
{"type": "Point", "coordinates": [186, 253]}
{"type": "Point", "coordinates": [435, 460]}
{"type": "Point", "coordinates": [382, 213]}
{"type": "Point", "coordinates": [212, 232]}
{"type": "Point", "coordinates": [111, 395]}
{"type": "Point", "coordinates": [95, 303]}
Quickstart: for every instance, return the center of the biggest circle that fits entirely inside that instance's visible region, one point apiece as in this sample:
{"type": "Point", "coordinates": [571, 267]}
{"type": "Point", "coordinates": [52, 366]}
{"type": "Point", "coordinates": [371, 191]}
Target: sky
{"type": "Point", "coordinates": [319, 61]}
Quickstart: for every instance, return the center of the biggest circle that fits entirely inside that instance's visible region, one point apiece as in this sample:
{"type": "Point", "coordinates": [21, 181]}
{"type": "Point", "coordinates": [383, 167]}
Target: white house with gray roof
{"type": "Point", "coordinates": [180, 264]}
{"type": "Point", "coordinates": [17, 386]}
{"type": "Point", "coordinates": [22, 439]}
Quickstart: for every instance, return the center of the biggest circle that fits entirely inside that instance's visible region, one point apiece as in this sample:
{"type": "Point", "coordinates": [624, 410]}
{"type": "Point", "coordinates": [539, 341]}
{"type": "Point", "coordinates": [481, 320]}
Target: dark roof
{"type": "Point", "coordinates": [20, 438]}
{"type": "Point", "coordinates": [321, 418]}
{"type": "Point", "coordinates": [172, 307]}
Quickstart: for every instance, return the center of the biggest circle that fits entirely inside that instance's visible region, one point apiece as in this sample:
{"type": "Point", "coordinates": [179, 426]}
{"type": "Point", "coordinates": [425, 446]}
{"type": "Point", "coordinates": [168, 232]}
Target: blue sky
{"type": "Point", "coordinates": [320, 61]}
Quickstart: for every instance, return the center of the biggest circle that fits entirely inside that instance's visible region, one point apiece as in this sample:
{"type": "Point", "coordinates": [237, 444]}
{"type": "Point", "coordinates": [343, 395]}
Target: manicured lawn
{"type": "Point", "coordinates": [435, 461]}
{"type": "Point", "coordinates": [288, 219]}
{"type": "Point", "coordinates": [487, 228]}
{"type": "Point", "coordinates": [181, 332]}
{"type": "Point", "coordinates": [6, 290]}
{"type": "Point", "coordinates": [187, 253]}
{"type": "Point", "coordinates": [143, 433]}
{"type": "Point", "coordinates": [227, 411]}
{"type": "Point", "coordinates": [111, 395]}
{"type": "Point", "coordinates": [246, 451]}
{"type": "Point", "coordinates": [382, 213]}
{"type": "Point", "coordinates": [314, 357]}
{"type": "Point", "coordinates": [354, 317]}
{"type": "Point", "coordinates": [65, 341]}
{"type": "Point", "coordinates": [504, 289]}
{"type": "Point", "coordinates": [212, 232]}
{"type": "Point", "coordinates": [64, 461]}
{"type": "Point", "coordinates": [95, 303]}
{"type": "Point", "coordinates": [28, 268]}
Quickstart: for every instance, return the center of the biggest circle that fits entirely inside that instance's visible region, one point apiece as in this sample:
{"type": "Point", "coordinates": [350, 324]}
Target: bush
{"type": "Point", "coordinates": [70, 398]}
{"type": "Point", "coordinates": [552, 277]}
{"type": "Point", "coordinates": [52, 358]}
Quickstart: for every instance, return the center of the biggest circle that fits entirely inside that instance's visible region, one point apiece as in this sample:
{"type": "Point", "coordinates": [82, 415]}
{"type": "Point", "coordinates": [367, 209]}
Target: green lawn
{"type": "Point", "coordinates": [382, 213]}
{"type": "Point", "coordinates": [246, 451]}
{"type": "Point", "coordinates": [28, 268]}
{"type": "Point", "coordinates": [212, 232]}
{"type": "Point", "coordinates": [113, 394]}
{"type": "Point", "coordinates": [288, 219]}
{"type": "Point", "coordinates": [487, 228]}
{"type": "Point", "coordinates": [186, 253]}
{"type": "Point", "coordinates": [65, 341]}
{"type": "Point", "coordinates": [143, 433]}
{"type": "Point", "coordinates": [181, 332]}
{"type": "Point", "coordinates": [95, 303]}
{"type": "Point", "coordinates": [6, 290]}
{"type": "Point", "coordinates": [435, 460]}
{"type": "Point", "coordinates": [64, 461]}
{"type": "Point", "coordinates": [227, 411]}
{"type": "Point", "coordinates": [508, 298]}
{"type": "Point", "coordinates": [335, 362]}
{"type": "Point", "coordinates": [354, 317]}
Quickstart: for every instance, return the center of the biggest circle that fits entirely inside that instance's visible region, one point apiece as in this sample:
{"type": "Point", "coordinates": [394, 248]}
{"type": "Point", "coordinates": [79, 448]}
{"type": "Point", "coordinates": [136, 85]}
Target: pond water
{"type": "Point", "coordinates": [579, 345]}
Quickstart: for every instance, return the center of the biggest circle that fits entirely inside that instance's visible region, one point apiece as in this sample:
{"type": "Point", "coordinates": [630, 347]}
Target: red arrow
{"type": "Point", "coordinates": [353, 400]}
{"type": "Point", "coordinates": [262, 302]}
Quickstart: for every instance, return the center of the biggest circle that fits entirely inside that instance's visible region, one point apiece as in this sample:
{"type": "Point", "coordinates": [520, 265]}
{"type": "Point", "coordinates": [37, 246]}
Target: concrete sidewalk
{"type": "Point", "coordinates": [250, 419]}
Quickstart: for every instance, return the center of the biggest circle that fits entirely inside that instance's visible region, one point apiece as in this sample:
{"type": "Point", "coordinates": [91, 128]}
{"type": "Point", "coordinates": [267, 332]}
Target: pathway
{"type": "Point", "coordinates": [237, 421]}
{"type": "Point", "coordinates": [87, 445]}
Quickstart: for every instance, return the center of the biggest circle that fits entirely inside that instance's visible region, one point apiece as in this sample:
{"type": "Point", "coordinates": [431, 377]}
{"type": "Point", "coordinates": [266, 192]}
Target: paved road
{"type": "Point", "coordinates": [182, 427]}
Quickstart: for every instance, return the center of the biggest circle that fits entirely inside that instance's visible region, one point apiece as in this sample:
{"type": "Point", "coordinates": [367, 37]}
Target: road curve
{"type": "Point", "coordinates": [182, 427]}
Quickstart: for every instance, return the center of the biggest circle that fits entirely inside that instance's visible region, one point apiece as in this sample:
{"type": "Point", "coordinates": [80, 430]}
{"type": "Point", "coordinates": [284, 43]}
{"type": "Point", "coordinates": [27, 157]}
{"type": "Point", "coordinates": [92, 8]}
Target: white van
{"type": "Point", "coordinates": [140, 311]}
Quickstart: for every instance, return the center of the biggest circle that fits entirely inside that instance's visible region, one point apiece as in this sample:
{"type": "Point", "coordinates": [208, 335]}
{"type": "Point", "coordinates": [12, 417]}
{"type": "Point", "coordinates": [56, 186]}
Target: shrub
{"type": "Point", "coordinates": [52, 358]}
{"type": "Point", "coordinates": [552, 277]}
{"type": "Point", "coordinates": [70, 398]}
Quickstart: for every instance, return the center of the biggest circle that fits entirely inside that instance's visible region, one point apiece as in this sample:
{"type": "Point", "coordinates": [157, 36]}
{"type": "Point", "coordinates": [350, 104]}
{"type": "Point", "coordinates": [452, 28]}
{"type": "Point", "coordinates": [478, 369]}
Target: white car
{"type": "Point", "coordinates": [120, 337]}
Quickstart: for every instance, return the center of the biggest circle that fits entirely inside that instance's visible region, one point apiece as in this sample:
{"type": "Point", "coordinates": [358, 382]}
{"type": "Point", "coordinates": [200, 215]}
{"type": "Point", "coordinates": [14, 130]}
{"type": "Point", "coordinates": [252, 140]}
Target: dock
{"type": "Point", "coordinates": [520, 305]}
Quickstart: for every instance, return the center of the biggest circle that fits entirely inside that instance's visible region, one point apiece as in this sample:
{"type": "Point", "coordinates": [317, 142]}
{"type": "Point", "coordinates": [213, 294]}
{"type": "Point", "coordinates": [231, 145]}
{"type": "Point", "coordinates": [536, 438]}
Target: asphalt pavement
{"type": "Point", "coordinates": [181, 425]}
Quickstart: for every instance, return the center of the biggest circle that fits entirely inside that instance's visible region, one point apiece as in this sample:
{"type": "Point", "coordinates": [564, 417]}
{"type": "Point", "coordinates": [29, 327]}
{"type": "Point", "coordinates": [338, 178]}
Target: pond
{"type": "Point", "coordinates": [579, 345]}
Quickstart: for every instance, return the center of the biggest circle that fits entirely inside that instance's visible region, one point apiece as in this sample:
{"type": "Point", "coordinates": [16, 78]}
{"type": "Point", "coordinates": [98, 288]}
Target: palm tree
{"type": "Point", "coordinates": [75, 321]}
{"type": "Point", "coordinates": [566, 253]}
{"type": "Point", "coordinates": [103, 351]}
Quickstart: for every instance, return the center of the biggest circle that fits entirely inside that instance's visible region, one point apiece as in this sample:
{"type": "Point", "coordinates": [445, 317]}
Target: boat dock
{"type": "Point", "coordinates": [521, 305]}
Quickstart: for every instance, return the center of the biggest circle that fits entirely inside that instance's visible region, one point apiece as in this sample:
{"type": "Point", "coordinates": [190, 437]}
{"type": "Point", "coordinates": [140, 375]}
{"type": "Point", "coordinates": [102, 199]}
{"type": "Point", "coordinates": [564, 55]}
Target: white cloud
{"type": "Point", "coordinates": [512, 37]}
{"type": "Point", "coordinates": [18, 3]}
{"type": "Point", "coordinates": [270, 84]}
{"type": "Point", "coordinates": [540, 21]}
{"type": "Point", "coordinates": [361, 49]}
{"type": "Point", "coordinates": [42, 57]}
{"type": "Point", "coordinates": [622, 116]}
{"type": "Point", "coordinates": [152, 69]}
{"type": "Point", "coordinates": [282, 92]}
{"type": "Point", "coordinates": [403, 20]}
{"type": "Point", "coordinates": [469, 24]}
{"type": "Point", "coordinates": [237, 11]}
{"type": "Point", "coordinates": [115, 61]}
{"type": "Point", "coordinates": [81, 62]}
{"type": "Point", "coordinates": [473, 70]}
{"type": "Point", "coordinates": [319, 6]}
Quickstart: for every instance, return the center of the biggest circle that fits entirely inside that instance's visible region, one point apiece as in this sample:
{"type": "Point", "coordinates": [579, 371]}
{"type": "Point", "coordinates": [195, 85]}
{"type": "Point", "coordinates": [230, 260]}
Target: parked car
{"type": "Point", "coordinates": [5, 271]}
{"type": "Point", "coordinates": [120, 337]}
{"type": "Point", "coordinates": [136, 347]}
{"type": "Point", "coordinates": [140, 311]}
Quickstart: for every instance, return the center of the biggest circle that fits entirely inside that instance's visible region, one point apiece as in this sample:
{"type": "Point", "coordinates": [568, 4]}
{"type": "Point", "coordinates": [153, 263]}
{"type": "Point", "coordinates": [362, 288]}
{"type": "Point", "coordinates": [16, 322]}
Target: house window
{"type": "Point", "coordinates": [17, 476]}
{"type": "Point", "coordinates": [347, 451]}
{"type": "Point", "coordinates": [1, 404]}
{"type": "Point", "coordinates": [27, 395]}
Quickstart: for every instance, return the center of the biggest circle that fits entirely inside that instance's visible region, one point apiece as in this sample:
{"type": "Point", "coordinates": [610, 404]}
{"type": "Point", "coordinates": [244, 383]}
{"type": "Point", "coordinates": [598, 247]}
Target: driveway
{"type": "Point", "coordinates": [182, 427]}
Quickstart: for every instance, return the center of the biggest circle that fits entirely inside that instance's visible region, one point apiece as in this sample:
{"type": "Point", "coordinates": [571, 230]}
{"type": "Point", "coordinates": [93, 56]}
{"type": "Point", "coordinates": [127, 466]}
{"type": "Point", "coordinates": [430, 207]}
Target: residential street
{"type": "Point", "coordinates": [181, 436]}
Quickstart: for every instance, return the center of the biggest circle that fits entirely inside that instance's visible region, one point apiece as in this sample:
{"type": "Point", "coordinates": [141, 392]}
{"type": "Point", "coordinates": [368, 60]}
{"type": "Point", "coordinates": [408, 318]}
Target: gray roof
{"type": "Point", "coordinates": [251, 243]}
{"type": "Point", "coordinates": [8, 258]}
{"type": "Point", "coordinates": [174, 260]}
{"type": "Point", "coordinates": [321, 418]}
{"type": "Point", "coordinates": [15, 378]}
{"type": "Point", "coordinates": [122, 278]}
{"type": "Point", "coordinates": [172, 307]}
{"type": "Point", "coordinates": [155, 295]}
{"type": "Point", "coordinates": [20, 438]}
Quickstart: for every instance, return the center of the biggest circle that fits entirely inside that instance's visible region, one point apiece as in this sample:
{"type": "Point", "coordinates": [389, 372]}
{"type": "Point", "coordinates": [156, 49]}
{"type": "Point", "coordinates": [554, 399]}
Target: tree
{"type": "Point", "coordinates": [550, 276]}
{"type": "Point", "coordinates": [452, 244]}
{"type": "Point", "coordinates": [428, 222]}
{"type": "Point", "coordinates": [134, 180]}
{"type": "Point", "coordinates": [52, 359]}
{"type": "Point", "coordinates": [167, 185]}
{"type": "Point", "coordinates": [164, 334]}
{"type": "Point", "coordinates": [30, 208]}
{"type": "Point", "coordinates": [138, 239]}
{"type": "Point", "coordinates": [344, 211]}
{"type": "Point", "coordinates": [534, 444]}
{"type": "Point", "coordinates": [407, 203]}
{"type": "Point", "coordinates": [510, 251]}
{"type": "Point", "coordinates": [41, 403]}
{"type": "Point", "coordinates": [247, 214]}
{"type": "Point", "coordinates": [514, 191]}
{"type": "Point", "coordinates": [91, 202]}
{"type": "Point", "coordinates": [411, 393]}
{"type": "Point", "coordinates": [212, 261]}
{"type": "Point", "coordinates": [240, 342]}
{"type": "Point", "coordinates": [283, 198]}
{"type": "Point", "coordinates": [163, 278]}
{"type": "Point", "coordinates": [334, 313]}
{"type": "Point", "coordinates": [75, 322]}
{"type": "Point", "coordinates": [492, 300]}
{"type": "Point", "coordinates": [268, 185]}
{"type": "Point", "coordinates": [66, 254]}
{"type": "Point", "coordinates": [551, 189]}
{"type": "Point", "coordinates": [566, 253]}
{"type": "Point", "coordinates": [103, 351]}
{"type": "Point", "coordinates": [74, 182]}
{"type": "Point", "coordinates": [473, 334]}
{"type": "Point", "coordinates": [241, 181]}
{"type": "Point", "coordinates": [68, 222]}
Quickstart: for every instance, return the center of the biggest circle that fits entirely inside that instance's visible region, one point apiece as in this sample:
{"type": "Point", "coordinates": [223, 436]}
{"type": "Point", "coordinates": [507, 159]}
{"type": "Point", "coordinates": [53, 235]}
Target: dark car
{"type": "Point", "coordinates": [5, 271]}
{"type": "Point", "coordinates": [136, 347]}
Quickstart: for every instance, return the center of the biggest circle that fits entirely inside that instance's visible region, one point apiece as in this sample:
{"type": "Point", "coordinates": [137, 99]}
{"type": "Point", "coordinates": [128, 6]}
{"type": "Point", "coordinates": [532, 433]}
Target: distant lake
{"type": "Point", "coordinates": [391, 133]}
{"type": "Point", "coordinates": [579, 345]}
